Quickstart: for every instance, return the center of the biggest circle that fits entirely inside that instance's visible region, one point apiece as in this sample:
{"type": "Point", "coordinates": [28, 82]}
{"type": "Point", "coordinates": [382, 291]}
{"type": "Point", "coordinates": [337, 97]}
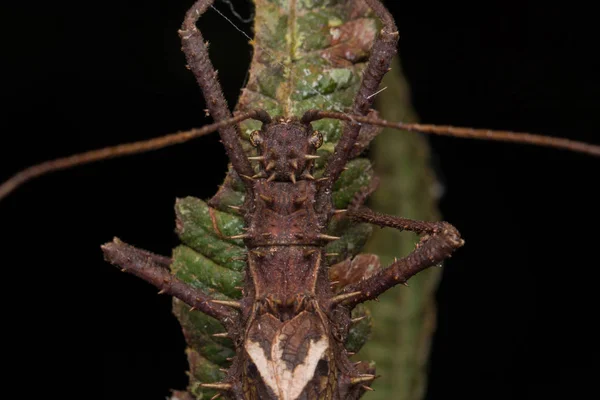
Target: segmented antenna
{"type": "Point", "coordinates": [119, 151]}
{"type": "Point", "coordinates": [470, 133]}
{"type": "Point", "coordinates": [312, 115]}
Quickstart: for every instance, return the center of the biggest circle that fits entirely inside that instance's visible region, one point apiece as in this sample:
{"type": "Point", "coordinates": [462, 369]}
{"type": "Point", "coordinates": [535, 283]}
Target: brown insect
{"type": "Point", "coordinates": [285, 194]}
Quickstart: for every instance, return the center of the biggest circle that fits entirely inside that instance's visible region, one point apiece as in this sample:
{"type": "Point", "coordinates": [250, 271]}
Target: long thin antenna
{"type": "Point", "coordinates": [117, 151]}
{"type": "Point", "coordinates": [471, 133]}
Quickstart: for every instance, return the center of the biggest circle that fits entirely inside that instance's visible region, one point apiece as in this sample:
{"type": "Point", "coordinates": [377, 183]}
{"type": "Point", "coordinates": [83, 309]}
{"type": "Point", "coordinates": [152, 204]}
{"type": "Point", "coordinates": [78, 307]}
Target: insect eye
{"type": "Point", "coordinates": [255, 138]}
{"type": "Point", "coordinates": [316, 139]}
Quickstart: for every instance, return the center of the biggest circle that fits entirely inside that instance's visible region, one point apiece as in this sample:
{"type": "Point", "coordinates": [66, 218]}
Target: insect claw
{"type": "Point", "coordinates": [162, 291]}
{"type": "Point", "coordinates": [370, 389]}
{"type": "Point", "coordinates": [327, 237]}
{"type": "Point", "coordinates": [271, 178]}
{"type": "Point", "coordinates": [216, 396]}
{"type": "Point", "coordinates": [343, 297]}
{"type": "Point", "coordinates": [333, 283]}
{"type": "Point", "coordinates": [259, 175]}
{"type": "Point", "coordinates": [271, 165]}
{"type": "Point", "coordinates": [311, 157]}
{"type": "Point", "coordinates": [405, 284]}
{"type": "Point", "coordinates": [193, 309]}
{"type": "Point", "coordinates": [340, 211]}
{"type": "Point", "coordinates": [228, 303]}
{"type": "Point", "coordinates": [294, 164]}
{"type": "Point", "coordinates": [223, 370]}
{"type": "Point", "coordinates": [308, 176]}
{"type": "Point", "coordinates": [293, 177]}
{"type": "Point", "coordinates": [235, 208]}
{"type": "Point", "coordinates": [257, 158]}
{"type": "Point", "coordinates": [355, 320]}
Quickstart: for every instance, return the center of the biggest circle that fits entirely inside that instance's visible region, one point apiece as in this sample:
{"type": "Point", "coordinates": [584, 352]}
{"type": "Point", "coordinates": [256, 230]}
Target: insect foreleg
{"type": "Point", "coordinates": [155, 270]}
{"type": "Point", "coordinates": [382, 52]}
{"type": "Point", "coordinates": [440, 240]}
{"type": "Point", "coordinates": [196, 54]}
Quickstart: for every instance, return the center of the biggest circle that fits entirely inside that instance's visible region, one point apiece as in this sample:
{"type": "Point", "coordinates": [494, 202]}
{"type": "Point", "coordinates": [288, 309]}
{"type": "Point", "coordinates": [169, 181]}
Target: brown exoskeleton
{"type": "Point", "coordinates": [289, 327]}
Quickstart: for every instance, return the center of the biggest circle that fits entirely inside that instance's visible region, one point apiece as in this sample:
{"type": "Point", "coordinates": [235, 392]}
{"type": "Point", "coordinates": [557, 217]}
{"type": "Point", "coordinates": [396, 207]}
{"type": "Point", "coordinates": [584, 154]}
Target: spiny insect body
{"type": "Point", "coordinates": [291, 324]}
{"type": "Point", "coordinates": [289, 328]}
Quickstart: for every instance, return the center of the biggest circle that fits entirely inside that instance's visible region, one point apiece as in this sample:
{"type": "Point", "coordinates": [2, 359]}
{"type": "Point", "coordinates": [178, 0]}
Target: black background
{"type": "Point", "coordinates": [517, 303]}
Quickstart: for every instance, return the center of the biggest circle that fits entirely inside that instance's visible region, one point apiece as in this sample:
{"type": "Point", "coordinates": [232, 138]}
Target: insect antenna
{"type": "Point", "coordinates": [121, 150]}
{"type": "Point", "coordinates": [470, 133]}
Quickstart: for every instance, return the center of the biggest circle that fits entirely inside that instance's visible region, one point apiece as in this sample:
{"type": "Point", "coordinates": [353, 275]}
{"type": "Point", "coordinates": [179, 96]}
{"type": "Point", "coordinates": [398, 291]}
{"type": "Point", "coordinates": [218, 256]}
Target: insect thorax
{"type": "Point", "coordinates": [285, 146]}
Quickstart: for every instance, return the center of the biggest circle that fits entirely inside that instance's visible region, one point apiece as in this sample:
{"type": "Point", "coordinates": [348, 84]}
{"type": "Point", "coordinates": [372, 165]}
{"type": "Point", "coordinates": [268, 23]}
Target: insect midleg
{"type": "Point", "coordinates": [440, 241]}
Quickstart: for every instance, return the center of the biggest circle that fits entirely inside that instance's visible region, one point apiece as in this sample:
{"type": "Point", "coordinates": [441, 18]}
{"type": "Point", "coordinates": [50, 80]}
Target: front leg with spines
{"type": "Point", "coordinates": [196, 54]}
{"type": "Point", "coordinates": [382, 52]}
{"type": "Point", "coordinates": [440, 240]}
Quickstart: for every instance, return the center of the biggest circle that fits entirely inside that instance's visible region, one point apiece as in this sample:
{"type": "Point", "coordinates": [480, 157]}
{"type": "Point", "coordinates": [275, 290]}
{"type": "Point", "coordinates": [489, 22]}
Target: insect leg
{"type": "Point", "coordinates": [381, 56]}
{"type": "Point", "coordinates": [154, 269]}
{"type": "Point", "coordinates": [196, 54]}
{"type": "Point", "coordinates": [439, 241]}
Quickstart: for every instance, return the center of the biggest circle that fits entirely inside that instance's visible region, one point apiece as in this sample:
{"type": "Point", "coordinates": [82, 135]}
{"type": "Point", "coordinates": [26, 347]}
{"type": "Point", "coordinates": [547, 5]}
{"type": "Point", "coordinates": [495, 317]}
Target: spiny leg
{"type": "Point", "coordinates": [381, 56]}
{"type": "Point", "coordinates": [196, 54]}
{"type": "Point", "coordinates": [440, 241]}
{"type": "Point", "coordinates": [154, 269]}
